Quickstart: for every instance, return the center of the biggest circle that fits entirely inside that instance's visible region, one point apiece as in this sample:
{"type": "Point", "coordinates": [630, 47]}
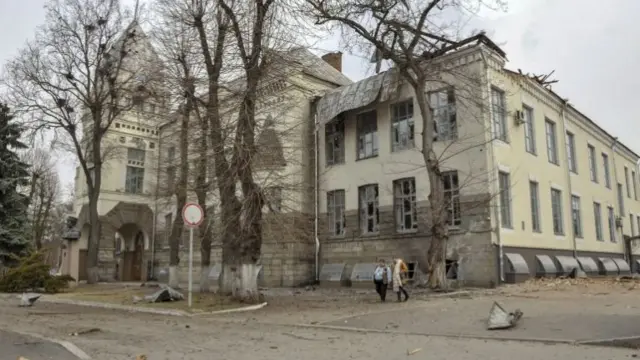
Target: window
{"type": "Point", "coordinates": [334, 141]}
{"type": "Point", "coordinates": [631, 223]}
{"type": "Point", "coordinates": [134, 180]}
{"type": "Point", "coordinates": [612, 224]}
{"type": "Point", "coordinates": [168, 225]}
{"type": "Point", "coordinates": [593, 168]}
{"type": "Point", "coordinates": [171, 178]}
{"type": "Point", "coordinates": [607, 176]}
{"type": "Point", "coordinates": [535, 206]}
{"type": "Point", "coordinates": [402, 125]}
{"type": "Point", "coordinates": [499, 113]}
{"type": "Point", "coordinates": [451, 188]}
{"type": "Point", "coordinates": [443, 107]}
{"type": "Point", "coordinates": [638, 223]}
{"type": "Point", "coordinates": [404, 200]}
{"type": "Point", "coordinates": [135, 171]}
{"type": "Point", "coordinates": [504, 184]}
{"type": "Point", "coordinates": [597, 215]}
{"type": "Point", "coordinates": [626, 181]}
{"type": "Point", "coordinates": [635, 187]}
{"type": "Point", "coordinates": [367, 127]}
{"type": "Point", "coordinates": [576, 218]}
{"type": "Point", "coordinates": [335, 212]}
{"type": "Point", "coordinates": [273, 196]}
{"type": "Point", "coordinates": [620, 198]}
{"type": "Point", "coordinates": [369, 212]}
{"type": "Point", "coordinates": [171, 154]}
{"type": "Point", "coordinates": [529, 132]}
{"type": "Point", "coordinates": [571, 153]}
{"type": "Point", "coordinates": [556, 211]}
{"type": "Point", "coordinates": [552, 142]}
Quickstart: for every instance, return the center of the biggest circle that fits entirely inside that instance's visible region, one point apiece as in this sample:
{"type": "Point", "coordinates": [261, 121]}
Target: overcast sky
{"type": "Point", "coordinates": [591, 46]}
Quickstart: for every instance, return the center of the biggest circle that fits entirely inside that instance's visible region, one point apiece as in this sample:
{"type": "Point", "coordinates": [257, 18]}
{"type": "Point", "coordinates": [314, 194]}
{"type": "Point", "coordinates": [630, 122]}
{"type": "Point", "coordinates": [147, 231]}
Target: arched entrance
{"type": "Point", "coordinates": [130, 243]}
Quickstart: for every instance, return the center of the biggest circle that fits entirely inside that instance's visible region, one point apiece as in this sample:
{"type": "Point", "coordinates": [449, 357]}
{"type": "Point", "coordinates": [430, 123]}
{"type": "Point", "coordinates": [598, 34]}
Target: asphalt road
{"type": "Point", "coordinates": [13, 345]}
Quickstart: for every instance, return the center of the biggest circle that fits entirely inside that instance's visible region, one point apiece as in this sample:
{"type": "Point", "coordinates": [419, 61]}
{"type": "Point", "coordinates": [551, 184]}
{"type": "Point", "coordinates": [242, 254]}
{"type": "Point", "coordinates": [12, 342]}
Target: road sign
{"type": "Point", "coordinates": [192, 214]}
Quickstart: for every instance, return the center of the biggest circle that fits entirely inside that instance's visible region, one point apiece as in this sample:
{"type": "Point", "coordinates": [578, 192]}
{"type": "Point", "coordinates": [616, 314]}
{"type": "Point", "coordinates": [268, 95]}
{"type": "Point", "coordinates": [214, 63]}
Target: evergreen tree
{"type": "Point", "coordinates": [14, 175]}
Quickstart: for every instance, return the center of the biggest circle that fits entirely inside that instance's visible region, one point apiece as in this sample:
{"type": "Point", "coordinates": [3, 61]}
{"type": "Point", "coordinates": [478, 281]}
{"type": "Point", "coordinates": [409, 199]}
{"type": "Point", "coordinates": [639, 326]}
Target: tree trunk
{"type": "Point", "coordinates": [181, 198]}
{"type": "Point", "coordinates": [435, 261]}
{"type": "Point", "coordinates": [93, 245]}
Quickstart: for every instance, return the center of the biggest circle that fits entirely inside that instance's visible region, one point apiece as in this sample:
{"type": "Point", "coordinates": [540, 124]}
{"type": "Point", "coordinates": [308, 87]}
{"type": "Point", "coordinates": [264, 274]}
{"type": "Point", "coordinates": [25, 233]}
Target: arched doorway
{"type": "Point", "coordinates": [129, 255]}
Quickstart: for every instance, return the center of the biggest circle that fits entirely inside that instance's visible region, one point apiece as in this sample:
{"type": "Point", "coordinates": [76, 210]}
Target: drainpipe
{"type": "Point", "coordinates": [493, 185]}
{"type": "Point", "coordinates": [563, 111]}
{"type": "Point", "coordinates": [315, 187]}
{"type": "Point", "coordinates": [155, 206]}
{"type": "Point", "coordinates": [614, 145]}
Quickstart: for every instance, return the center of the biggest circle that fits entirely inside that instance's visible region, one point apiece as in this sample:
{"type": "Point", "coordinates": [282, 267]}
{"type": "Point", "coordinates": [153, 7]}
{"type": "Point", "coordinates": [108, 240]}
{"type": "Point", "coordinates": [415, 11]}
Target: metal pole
{"type": "Point", "coordinates": [190, 264]}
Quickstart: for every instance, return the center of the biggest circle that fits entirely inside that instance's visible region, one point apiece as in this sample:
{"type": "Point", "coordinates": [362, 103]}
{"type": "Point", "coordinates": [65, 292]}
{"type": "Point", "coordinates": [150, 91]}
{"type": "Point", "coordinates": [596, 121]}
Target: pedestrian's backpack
{"type": "Point", "coordinates": [385, 277]}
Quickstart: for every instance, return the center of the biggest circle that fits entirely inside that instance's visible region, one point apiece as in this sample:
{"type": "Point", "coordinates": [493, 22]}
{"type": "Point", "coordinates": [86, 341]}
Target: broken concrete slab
{"type": "Point", "coordinates": [166, 293]}
{"type": "Point", "coordinates": [28, 299]}
{"type": "Point", "coordinates": [499, 318]}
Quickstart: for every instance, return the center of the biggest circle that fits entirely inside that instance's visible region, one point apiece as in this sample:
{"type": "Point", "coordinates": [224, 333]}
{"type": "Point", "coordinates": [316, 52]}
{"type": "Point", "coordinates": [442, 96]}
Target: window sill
{"type": "Point", "coordinates": [397, 150]}
{"type": "Point", "coordinates": [368, 157]}
{"type": "Point", "coordinates": [554, 163]}
{"type": "Point", "coordinates": [532, 153]}
{"type": "Point", "coordinates": [404, 232]}
{"type": "Point", "coordinates": [371, 234]}
{"type": "Point", "coordinates": [337, 237]}
{"type": "Point", "coordinates": [332, 165]}
{"type": "Point", "coordinates": [503, 143]}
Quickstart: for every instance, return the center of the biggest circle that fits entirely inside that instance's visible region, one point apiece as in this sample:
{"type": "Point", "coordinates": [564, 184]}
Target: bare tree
{"type": "Point", "coordinates": [44, 194]}
{"type": "Point", "coordinates": [412, 35]}
{"type": "Point", "coordinates": [75, 78]}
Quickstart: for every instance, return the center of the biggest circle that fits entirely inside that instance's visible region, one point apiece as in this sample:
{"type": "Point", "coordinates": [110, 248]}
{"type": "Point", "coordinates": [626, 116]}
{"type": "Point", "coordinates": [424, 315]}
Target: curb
{"type": "Point", "coordinates": [451, 336]}
{"type": "Point", "coordinates": [139, 309]}
{"type": "Point", "coordinates": [67, 345]}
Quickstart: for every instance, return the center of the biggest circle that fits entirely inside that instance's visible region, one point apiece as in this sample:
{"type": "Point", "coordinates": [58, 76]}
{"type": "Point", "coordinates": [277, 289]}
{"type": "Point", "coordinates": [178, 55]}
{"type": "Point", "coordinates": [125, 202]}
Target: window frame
{"type": "Point", "coordinates": [576, 216]}
{"type": "Point", "coordinates": [552, 141]}
{"type": "Point", "coordinates": [572, 159]}
{"type": "Point", "coordinates": [530, 145]}
{"type": "Point", "coordinates": [506, 218]}
{"type": "Point", "coordinates": [334, 130]}
{"type": "Point", "coordinates": [611, 220]}
{"type": "Point", "coordinates": [368, 129]}
{"type": "Point", "coordinates": [363, 215]}
{"type": "Point", "coordinates": [626, 181]}
{"type": "Point", "coordinates": [499, 115]}
{"type": "Point", "coordinates": [399, 210]}
{"type": "Point", "coordinates": [534, 199]}
{"type": "Point", "coordinates": [332, 217]}
{"type": "Point", "coordinates": [452, 198]}
{"type": "Point", "coordinates": [607, 170]}
{"type": "Point", "coordinates": [396, 121]}
{"type": "Point", "coordinates": [597, 214]}
{"type": "Point", "coordinates": [557, 215]}
{"type": "Point", "coordinates": [448, 111]}
{"type": "Point", "coordinates": [593, 164]}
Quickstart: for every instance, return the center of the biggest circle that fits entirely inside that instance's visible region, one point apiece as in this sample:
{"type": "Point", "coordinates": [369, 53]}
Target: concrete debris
{"type": "Point", "coordinates": [166, 293]}
{"type": "Point", "coordinates": [22, 358]}
{"type": "Point", "coordinates": [499, 318]}
{"type": "Point", "coordinates": [577, 273]}
{"type": "Point", "coordinates": [83, 332]}
{"type": "Point", "coordinates": [28, 299]}
{"type": "Point", "coordinates": [141, 357]}
{"type": "Point", "coordinates": [411, 352]}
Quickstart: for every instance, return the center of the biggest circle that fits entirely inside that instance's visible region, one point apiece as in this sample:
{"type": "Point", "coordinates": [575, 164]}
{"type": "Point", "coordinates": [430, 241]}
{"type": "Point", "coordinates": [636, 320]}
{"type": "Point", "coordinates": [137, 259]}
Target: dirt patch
{"type": "Point", "coordinates": [124, 295]}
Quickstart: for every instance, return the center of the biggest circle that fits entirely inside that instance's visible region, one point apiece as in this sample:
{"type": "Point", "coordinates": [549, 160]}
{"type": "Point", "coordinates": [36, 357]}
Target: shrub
{"type": "Point", "coordinates": [32, 274]}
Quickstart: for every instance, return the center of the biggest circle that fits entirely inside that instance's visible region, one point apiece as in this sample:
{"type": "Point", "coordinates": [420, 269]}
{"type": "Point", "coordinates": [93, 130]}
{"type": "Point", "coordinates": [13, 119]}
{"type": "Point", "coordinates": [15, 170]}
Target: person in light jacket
{"type": "Point", "coordinates": [382, 278]}
{"type": "Point", "coordinates": [400, 271]}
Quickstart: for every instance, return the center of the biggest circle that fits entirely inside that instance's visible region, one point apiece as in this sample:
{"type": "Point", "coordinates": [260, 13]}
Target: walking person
{"type": "Point", "coordinates": [382, 278]}
{"type": "Point", "coordinates": [400, 271]}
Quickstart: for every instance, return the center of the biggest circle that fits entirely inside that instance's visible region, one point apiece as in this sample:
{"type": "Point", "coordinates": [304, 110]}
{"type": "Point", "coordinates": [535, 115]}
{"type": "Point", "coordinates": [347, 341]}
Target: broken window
{"type": "Point", "coordinates": [404, 191]}
{"type": "Point", "coordinates": [334, 141]}
{"type": "Point", "coordinates": [402, 125]}
{"type": "Point", "coordinates": [443, 107]}
{"type": "Point", "coordinates": [369, 212]}
{"type": "Point", "coordinates": [451, 187]}
{"type": "Point", "coordinates": [335, 212]}
{"type": "Point", "coordinates": [273, 199]}
{"type": "Point", "coordinates": [367, 126]}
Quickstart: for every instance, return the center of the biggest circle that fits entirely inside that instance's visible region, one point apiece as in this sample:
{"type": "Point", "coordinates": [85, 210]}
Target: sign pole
{"type": "Point", "coordinates": [190, 265]}
{"type": "Point", "coordinates": [192, 215]}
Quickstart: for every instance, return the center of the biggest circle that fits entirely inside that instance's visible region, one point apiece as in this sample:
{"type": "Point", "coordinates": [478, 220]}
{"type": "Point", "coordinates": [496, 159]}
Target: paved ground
{"type": "Point", "coordinates": [580, 312]}
{"type": "Point", "coordinates": [13, 345]}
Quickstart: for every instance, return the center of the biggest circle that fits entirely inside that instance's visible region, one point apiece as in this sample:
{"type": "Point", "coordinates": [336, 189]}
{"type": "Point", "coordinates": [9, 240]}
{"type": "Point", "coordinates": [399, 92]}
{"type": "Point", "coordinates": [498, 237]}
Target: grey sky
{"type": "Point", "coordinates": [585, 42]}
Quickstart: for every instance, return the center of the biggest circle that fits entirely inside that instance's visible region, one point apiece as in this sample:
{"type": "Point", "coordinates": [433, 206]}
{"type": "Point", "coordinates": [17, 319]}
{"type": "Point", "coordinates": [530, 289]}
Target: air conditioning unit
{"type": "Point", "coordinates": [618, 222]}
{"type": "Point", "coordinates": [519, 117]}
